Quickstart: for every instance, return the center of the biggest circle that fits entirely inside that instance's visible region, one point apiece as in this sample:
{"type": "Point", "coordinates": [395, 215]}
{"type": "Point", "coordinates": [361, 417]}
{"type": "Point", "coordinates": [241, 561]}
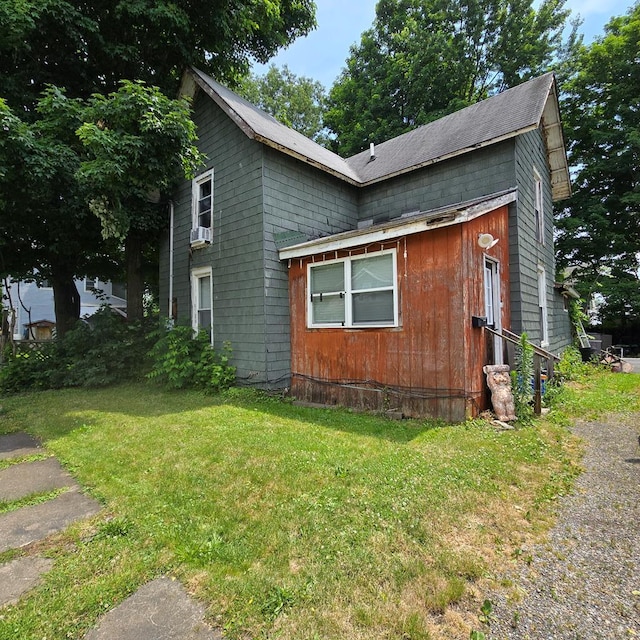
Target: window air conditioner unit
{"type": "Point", "coordinates": [200, 236]}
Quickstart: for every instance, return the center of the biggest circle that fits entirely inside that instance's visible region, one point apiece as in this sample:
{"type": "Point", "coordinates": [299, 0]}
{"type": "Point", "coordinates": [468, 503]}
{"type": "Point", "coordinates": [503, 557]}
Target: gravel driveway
{"type": "Point", "coordinates": [584, 583]}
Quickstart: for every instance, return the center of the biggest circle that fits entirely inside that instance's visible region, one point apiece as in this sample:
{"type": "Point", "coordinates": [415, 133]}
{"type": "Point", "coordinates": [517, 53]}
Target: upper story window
{"type": "Point", "coordinates": [359, 291]}
{"type": "Point", "coordinates": [202, 208]}
{"type": "Point", "coordinates": [538, 206]}
{"type": "Point", "coordinates": [90, 284]}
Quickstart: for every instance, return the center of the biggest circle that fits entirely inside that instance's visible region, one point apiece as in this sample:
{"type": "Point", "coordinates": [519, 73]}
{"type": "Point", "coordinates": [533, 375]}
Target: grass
{"type": "Point", "coordinates": [287, 522]}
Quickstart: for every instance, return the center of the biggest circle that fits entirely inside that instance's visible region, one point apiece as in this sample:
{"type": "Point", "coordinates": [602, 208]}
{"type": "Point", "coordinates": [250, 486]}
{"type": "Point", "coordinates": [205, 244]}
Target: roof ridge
{"type": "Point", "coordinates": [497, 118]}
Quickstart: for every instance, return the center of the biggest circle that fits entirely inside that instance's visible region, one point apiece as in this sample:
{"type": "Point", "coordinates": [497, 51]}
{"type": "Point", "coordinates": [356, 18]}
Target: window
{"type": "Point", "coordinates": [359, 291]}
{"type": "Point", "coordinates": [89, 284]}
{"type": "Point", "coordinates": [538, 208]}
{"type": "Point", "coordinates": [202, 301]}
{"type": "Point", "coordinates": [202, 200]}
{"type": "Point", "coordinates": [542, 307]}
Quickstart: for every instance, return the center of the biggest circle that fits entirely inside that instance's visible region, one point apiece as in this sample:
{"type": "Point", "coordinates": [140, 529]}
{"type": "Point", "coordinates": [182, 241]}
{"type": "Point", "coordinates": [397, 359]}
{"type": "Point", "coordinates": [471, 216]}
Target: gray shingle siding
{"type": "Point", "coordinates": [297, 198]}
{"type": "Point", "coordinates": [463, 178]}
{"type": "Point", "coordinates": [236, 251]}
{"type": "Point", "coordinates": [528, 253]}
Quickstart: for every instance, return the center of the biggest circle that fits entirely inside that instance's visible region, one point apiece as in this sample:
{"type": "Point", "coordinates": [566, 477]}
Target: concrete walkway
{"type": "Point", "coordinates": [159, 610]}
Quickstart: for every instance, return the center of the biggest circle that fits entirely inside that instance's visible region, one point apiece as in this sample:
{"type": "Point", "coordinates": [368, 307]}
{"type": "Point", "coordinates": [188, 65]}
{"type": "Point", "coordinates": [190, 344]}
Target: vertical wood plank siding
{"type": "Point", "coordinates": [432, 364]}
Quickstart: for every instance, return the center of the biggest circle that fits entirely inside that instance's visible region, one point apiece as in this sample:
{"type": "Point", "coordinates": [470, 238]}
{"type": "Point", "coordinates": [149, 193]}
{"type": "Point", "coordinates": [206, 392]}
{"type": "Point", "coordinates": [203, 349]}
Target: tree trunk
{"type": "Point", "coordinates": [135, 278]}
{"type": "Point", "coordinates": [66, 300]}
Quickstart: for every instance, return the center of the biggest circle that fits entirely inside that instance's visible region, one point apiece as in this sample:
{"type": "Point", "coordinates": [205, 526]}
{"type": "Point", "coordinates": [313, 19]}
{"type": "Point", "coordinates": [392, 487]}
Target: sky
{"type": "Point", "coordinates": [322, 54]}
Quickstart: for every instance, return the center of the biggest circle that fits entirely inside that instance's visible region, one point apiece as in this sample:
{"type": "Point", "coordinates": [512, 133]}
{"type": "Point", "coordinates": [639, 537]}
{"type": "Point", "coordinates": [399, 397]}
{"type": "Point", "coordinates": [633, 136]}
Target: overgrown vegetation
{"type": "Point", "coordinates": [106, 350]}
{"type": "Point", "coordinates": [181, 360]}
{"type": "Point", "coordinates": [571, 366]}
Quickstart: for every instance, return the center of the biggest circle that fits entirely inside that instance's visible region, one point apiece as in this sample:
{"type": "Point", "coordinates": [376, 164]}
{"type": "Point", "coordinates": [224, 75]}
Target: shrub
{"type": "Point", "coordinates": [28, 368]}
{"type": "Point", "coordinates": [181, 359]}
{"type": "Point", "coordinates": [98, 352]}
{"type": "Point", "coordinates": [571, 366]}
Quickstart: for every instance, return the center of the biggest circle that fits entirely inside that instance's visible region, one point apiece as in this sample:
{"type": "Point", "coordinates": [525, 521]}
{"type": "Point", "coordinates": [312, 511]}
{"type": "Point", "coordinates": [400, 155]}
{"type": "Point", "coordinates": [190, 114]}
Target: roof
{"type": "Point", "coordinates": [501, 117]}
{"type": "Point", "coordinates": [259, 125]}
{"type": "Point", "coordinates": [41, 323]}
{"type": "Point", "coordinates": [403, 226]}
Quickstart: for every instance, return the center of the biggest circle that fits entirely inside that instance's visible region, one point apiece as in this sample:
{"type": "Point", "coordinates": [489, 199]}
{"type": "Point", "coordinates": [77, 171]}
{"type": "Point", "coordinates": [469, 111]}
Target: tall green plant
{"type": "Point", "coordinates": [521, 380]}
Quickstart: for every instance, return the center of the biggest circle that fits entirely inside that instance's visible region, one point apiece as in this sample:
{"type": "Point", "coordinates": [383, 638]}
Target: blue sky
{"type": "Point", "coordinates": [321, 55]}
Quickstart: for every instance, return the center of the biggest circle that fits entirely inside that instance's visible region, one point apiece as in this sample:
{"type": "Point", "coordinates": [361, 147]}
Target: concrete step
{"type": "Point", "coordinates": [29, 524]}
{"type": "Point", "coordinates": [19, 576]}
{"type": "Point", "coordinates": [160, 609]}
{"type": "Point", "coordinates": [18, 445]}
{"type": "Point", "coordinates": [26, 478]}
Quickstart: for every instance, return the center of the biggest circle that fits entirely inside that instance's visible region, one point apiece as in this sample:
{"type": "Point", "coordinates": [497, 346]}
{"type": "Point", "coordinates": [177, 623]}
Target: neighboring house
{"type": "Point", "coordinates": [34, 306]}
{"type": "Point", "coordinates": [357, 281]}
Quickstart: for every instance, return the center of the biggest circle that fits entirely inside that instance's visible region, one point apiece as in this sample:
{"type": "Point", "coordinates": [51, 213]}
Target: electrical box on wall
{"type": "Point", "coordinates": [478, 322]}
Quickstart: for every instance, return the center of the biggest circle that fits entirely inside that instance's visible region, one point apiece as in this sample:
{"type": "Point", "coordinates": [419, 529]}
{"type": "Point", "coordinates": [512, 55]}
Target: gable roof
{"type": "Point", "coordinates": [259, 125]}
{"type": "Point", "coordinates": [501, 117]}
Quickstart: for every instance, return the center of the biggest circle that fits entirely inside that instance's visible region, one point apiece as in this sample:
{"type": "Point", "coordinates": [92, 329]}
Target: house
{"type": "Point", "coordinates": [34, 305]}
{"type": "Point", "coordinates": [365, 281]}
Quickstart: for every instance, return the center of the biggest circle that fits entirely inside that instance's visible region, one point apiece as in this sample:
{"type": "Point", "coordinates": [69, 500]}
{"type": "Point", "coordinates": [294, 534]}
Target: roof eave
{"type": "Point", "coordinates": [192, 80]}
{"type": "Point", "coordinates": [556, 150]}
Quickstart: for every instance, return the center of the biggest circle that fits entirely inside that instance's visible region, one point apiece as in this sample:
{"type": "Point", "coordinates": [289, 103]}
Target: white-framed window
{"type": "Point", "coordinates": [202, 300]}
{"type": "Point", "coordinates": [542, 307]}
{"type": "Point", "coordinates": [538, 207]}
{"type": "Point", "coordinates": [90, 284]}
{"type": "Point", "coordinates": [202, 200]}
{"type": "Point", "coordinates": [358, 291]}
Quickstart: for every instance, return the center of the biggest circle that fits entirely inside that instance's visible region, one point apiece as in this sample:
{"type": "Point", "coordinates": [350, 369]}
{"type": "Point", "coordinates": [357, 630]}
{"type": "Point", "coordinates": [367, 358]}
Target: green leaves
{"type": "Point", "coordinates": [426, 58]}
{"type": "Point", "coordinates": [184, 360]}
{"type": "Point", "coordinates": [136, 141]}
{"type": "Point", "coordinates": [298, 102]}
{"type": "Point", "coordinates": [599, 227]}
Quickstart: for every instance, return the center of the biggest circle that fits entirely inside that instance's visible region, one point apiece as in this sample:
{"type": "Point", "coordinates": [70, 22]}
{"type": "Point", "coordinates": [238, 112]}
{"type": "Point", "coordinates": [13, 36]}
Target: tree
{"type": "Point", "coordinates": [46, 228]}
{"type": "Point", "coordinates": [88, 47]}
{"type": "Point", "coordinates": [298, 102]}
{"type": "Point", "coordinates": [139, 143]}
{"type": "Point", "coordinates": [423, 59]}
{"type": "Point", "coordinates": [85, 48]}
{"type": "Point", "coordinates": [599, 226]}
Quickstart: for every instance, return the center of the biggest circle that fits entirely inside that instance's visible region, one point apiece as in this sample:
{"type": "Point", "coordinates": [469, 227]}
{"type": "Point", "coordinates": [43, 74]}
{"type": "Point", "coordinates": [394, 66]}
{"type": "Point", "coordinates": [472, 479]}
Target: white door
{"type": "Point", "coordinates": [492, 305]}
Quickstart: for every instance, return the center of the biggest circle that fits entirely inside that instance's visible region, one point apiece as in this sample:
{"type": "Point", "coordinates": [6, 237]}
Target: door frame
{"type": "Point", "coordinates": [492, 304]}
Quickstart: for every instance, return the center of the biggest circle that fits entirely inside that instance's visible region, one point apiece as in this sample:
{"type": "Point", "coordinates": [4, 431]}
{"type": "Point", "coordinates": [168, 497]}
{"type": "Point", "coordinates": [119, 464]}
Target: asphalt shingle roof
{"type": "Point", "coordinates": [500, 117]}
{"type": "Point", "coordinates": [265, 128]}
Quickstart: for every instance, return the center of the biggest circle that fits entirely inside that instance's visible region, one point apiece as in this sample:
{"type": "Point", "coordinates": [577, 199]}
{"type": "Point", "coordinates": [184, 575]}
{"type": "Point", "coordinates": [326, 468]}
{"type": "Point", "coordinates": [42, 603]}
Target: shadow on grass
{"type": "Point", "coordinates": [60, 412]}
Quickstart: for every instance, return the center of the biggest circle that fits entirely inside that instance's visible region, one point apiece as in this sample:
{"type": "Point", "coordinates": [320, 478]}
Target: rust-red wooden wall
{"type": "Point", "coordinates": [431, 365]}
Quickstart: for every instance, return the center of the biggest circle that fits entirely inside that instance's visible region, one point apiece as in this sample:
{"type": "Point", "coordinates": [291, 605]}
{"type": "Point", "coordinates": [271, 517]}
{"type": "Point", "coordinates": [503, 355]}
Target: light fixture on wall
{"type": "Point", "coordinates": [486, 241]}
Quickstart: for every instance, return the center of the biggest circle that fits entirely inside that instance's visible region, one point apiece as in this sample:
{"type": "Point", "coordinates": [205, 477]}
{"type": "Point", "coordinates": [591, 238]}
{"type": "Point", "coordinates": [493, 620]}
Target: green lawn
{"type": "Point", "coordinates": [287, 522]}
